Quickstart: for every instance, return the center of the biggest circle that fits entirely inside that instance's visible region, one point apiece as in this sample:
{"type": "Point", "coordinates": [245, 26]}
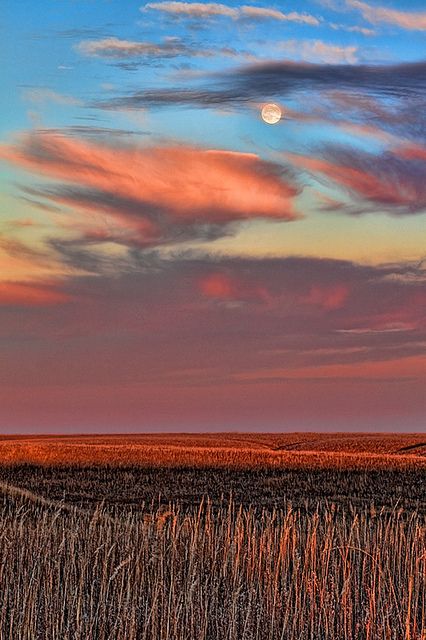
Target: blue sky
{"type": "Point", "coordinates": [41, 43]}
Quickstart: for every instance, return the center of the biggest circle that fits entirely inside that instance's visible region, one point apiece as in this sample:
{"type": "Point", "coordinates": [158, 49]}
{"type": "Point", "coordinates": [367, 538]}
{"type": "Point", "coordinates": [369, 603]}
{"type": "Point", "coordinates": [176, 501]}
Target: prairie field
{"type": "Point", "coordinates": [236, 450]}
{"type": "Point", "coordinates": [213, 537]}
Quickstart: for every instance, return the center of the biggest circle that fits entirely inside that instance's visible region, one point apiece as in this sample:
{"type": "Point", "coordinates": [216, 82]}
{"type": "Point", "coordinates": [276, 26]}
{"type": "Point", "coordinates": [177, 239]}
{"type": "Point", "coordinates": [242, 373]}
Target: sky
{"type": "Point", "coordinates": [169, 261]}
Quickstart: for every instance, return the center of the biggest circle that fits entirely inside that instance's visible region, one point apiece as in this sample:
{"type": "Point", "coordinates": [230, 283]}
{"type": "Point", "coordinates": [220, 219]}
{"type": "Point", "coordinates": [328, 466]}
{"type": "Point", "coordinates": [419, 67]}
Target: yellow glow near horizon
{"type": "Point", "coordinates": [326, 236]}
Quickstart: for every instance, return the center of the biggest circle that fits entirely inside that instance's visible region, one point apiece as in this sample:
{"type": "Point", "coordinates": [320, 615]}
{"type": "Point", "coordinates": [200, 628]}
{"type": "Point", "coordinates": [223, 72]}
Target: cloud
{"type": "Point", "coordinates": [156, 193]}
{"type": "Point", "coordinates": [396, 181]}
{"type": "Point", "coordinates": [414, 21]}
{"type": "Point", "coordinates": [193, 9]}
{"type": "Point", "coordinates": [115, 48]}
{"type": "Point", "coordinates": [40, 95]}
{"type": "Point", "coordinates": [172, 47]}
{"type": "Point", "coordinates": [212, 9]}
{"type": "Point", "coordinates": [318, 51]}
{"type": "Point", "coordinates": [273, 79]}
{"type": "Point", "coordinates": [196, 331]}
{"type": "Point", "coordinates": [352, 29]}
{"type": "Point", "coordinates": [259, 13]}
{"type": "Point", "coordinates": [256, 308]}
{"type": "Point", "coordinates": [85, 131]}
{"type": "Point", "coordinates": [400, 118]}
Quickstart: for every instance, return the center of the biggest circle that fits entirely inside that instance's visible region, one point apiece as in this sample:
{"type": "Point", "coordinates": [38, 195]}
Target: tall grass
{"type": "Point", "coordinates": [216, 573]}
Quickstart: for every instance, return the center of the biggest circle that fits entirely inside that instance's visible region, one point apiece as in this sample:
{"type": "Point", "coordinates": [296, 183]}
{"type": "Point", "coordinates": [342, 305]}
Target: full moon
{"type": "Point", "coordinates": [271, 113]}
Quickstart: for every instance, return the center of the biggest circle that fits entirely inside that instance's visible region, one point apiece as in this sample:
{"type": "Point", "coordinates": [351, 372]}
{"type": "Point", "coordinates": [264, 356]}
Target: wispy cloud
{"type": "Point", "coordinates": [172, 47]}
{"type": "Point", "coordinates": [263, 13]}
{"type": "Point", "coordinates": [285, 78]}
{"type": "Point", "coordinates": [212, 9]}
{"type": "Point", "coordinates": [193, 9]}
{"type": "Point", "coordinates": [395, 182]}
{"type": "Point", "coordinates": [318, 51]}
{"type": "Point", "coordinates": [116, 48]}
{"type": "Point", "coordinates": [365, 31]}
{"type": "Point", "coordinates": [412, 20]}
{"type": "Point", "coordinates": [41, 95]}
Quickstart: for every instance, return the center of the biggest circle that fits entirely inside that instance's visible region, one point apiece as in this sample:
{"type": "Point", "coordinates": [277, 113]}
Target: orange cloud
{"type": "Point", "coordinates": [186, 183]}
{"type": "Point", "coordinates": [29, 295]}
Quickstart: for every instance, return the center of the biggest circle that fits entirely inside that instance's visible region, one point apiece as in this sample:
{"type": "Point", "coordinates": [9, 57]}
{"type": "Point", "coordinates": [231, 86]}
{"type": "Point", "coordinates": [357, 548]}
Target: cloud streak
{"type": "Point", "coordinates": [271, 79]}
{"type": "Point", "coordinates": [411, 20]}
{"type": "Point", "coordinates": [395, 181]}
{"type": "Point", "coordinates": [117, 49]}
{"type": "Point", "coordinates": [41, 95]}
{"type": "Point", "coordinates": [205, 10]}
{"type": "Point", "coordinates": [318, 51]}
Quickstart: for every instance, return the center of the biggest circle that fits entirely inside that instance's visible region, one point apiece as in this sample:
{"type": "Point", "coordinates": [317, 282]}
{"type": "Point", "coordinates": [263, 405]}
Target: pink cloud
{"type": "Point", "coordinates": [188, 184]}
{"type": "Point", "coordinates": [206, 10]}
{"type": "Point", "coordinates": [412, 20]}
{"type": "Point", "coordinates": [373, 178]}
{"type": "Point", "coordinates": [193, 9]}
{"type": "Point", "coordinates": [318, 51]}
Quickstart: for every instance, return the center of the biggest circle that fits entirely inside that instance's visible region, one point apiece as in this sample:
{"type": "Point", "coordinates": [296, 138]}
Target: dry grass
{"type": "Point", "coordinates": [226, 574]}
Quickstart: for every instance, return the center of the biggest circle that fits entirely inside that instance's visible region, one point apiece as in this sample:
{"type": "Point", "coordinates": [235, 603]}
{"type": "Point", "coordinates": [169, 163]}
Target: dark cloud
{"type": "Point", "coordinates": [82, 131]}
{"type": "Point", "coordinates": [286, 77]}
{"type": "Point", "coordinates": [401, 117]}
{"type": "Point", "coordinates": [262, 81]}
{"type": "Point", "coordinates": [244, 313]}
{"type": "Point", "coordinates": [264, 340]}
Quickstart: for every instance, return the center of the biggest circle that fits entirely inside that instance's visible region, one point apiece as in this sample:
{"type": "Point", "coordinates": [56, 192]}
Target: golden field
{"type": "Point", "coordinates": [296, 450]}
